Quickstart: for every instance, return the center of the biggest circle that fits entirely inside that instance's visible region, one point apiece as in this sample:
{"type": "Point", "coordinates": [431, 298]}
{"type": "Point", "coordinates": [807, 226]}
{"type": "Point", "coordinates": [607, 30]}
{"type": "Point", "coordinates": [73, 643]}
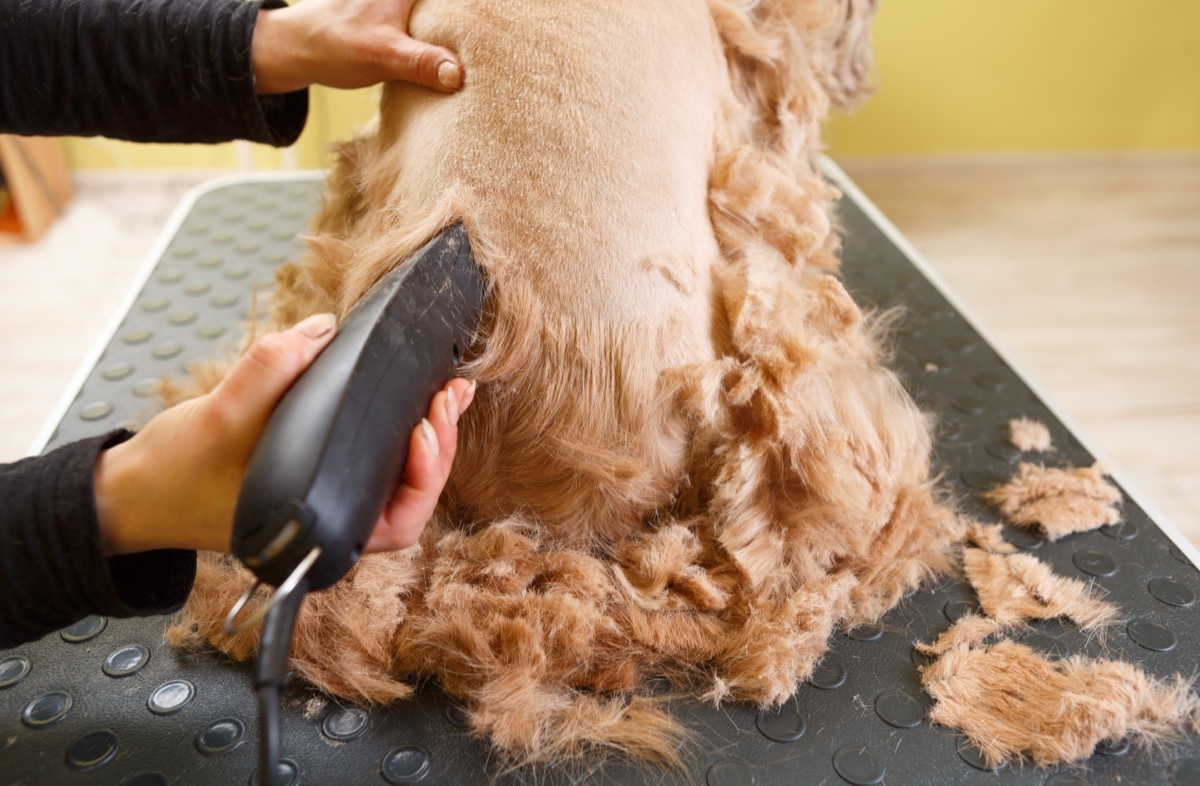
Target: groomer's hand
{"type": "Point", "coordinates": [346, 44]}
{"type": "Point", "coordinates": [175, 483]}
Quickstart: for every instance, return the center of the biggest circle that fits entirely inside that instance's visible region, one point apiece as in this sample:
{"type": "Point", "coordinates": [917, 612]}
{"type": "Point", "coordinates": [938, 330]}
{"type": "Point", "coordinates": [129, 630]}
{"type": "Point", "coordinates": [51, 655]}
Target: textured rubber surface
{"type": "Point", "coordinates": [107, 702]}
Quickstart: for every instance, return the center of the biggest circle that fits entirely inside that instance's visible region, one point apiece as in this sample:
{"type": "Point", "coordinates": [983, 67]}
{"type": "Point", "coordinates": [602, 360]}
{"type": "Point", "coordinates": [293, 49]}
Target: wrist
{"type": "Point", "coordinates": [116, 507]}
{"type": "Point", "coordinates": [277, 52]}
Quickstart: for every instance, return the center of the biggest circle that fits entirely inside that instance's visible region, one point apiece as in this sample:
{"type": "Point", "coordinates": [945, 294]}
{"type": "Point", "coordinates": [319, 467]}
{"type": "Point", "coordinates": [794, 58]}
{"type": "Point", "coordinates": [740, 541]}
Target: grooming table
{"type": "Point", "coordinates": [106, 701]}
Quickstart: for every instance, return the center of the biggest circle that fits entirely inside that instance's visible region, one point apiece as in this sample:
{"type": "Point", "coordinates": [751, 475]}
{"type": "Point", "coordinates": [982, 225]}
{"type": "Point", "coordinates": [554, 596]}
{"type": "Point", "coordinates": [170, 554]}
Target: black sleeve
{"type": "Point", "coordinates": [52, 569]}
{"type": "Point", "coordinates": [141, 70]}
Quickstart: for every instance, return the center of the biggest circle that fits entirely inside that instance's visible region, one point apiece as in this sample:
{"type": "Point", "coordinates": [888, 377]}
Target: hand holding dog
{"type": "Point", "coordinates": [175, 483]}
{"type": "Point", "coordinates": [346, 44]}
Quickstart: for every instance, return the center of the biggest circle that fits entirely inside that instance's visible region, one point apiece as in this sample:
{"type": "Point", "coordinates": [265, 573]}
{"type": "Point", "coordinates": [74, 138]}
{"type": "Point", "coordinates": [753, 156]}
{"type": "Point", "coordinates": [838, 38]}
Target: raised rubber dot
{"type": "Point", "coordinates": [920, 659]}
{"type": "Point", "coordinates": [125, 661]}
{"type": "Point", "coordinates": [287, 773]}
{"type": "Point", "coordinates": [865, 633]}
{"type": "Point", "coordinates": [949, 431]}
{"type": "Point", "coordinates": [92, 750]}
{"type": "Point", "coordinates": [1005, 451]}
{"type": "Point", "coordinates": [136, 336]}
{"type": "Point", "coordinates": [116, 371]}
{"type": "Point", "coordinates": [1125, 530]}
{"type": "Point", "coordinates": [828, 675]}
{"type": "Point", "coordinates": [858, 765]}
{"type": "Point", "coordinates": [146, 387]}
{"type": "Point", "coordinates": [174, 276]}
{"type": "Point", "coordinates": [1151, 635]}
{"type": "Point", "coordinates": [1024, 539]}
{"type": "Point", "coordinates": [989, 381]}
{"type": "Point", "coordinates": [344, 724]}
{"type": "Point", "coordinates": [154, 305]}
{"type": "Point", "coordinates": [897, 708]}
{"type": "Point", "coordinates": [47, 709]}
{"type": "Point", "coordinates": [409, 764]}
{"type": "Point", "coordinates": [180, 318]}
{"type": "Point", "coordinates": [730, 773]}
{"type": "Point", "coordinates": [220, 736]}
{"type": "Point", "coordinates": [782, 724]}
{"type": "Point", "coordinates": [13, 670]}
{"type": "Point", "coordinates": [1171, 592]}
{"type": "Point", "coordinates": [980, 480]}
{"type": "Point", "coordinates": [171, 696]}
{"type": "Point", "coordinates": [969, 404]}
{"type": "Point", "coordinates": [166, 351]}
{"type": "Point", "coordinates": [1095, 563]}
{"type": "Point", "coordinates": [957, 609]}
{"type": "Point", "coordinates": [96, 410]}
{"type": "Point", "coordinates": [971, 755]}
{"type": "Point", "coordinates": [86, 629]}
{"type": "Point", "coordinates": [1118, 747]}
{"type": "Point", "coordinates": [458, 716]}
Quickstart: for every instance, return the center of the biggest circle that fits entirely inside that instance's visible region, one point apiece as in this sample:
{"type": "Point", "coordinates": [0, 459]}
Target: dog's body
{"type": "Point", "coordinates": [685, 456]}
{"type": "Point", "coordinates": [579, 155]}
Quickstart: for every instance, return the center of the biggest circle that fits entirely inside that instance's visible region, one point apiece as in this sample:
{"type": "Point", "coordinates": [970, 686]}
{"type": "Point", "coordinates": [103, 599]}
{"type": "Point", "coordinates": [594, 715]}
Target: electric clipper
{"type": "Point", "coordinates": [335, 447]}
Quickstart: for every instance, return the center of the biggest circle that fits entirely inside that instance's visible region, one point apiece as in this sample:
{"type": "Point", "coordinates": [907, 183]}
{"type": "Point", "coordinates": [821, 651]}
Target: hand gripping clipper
{"type": "Point", "coordinates": [335, 447]}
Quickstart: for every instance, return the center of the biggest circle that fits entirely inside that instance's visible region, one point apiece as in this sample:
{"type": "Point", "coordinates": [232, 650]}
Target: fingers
{"type": "Point", "coordinates": [263, 374]}
{"type": "Point", "coordinates": [425, 64]}
{"type": "Point", "coordinates": [431, 451]}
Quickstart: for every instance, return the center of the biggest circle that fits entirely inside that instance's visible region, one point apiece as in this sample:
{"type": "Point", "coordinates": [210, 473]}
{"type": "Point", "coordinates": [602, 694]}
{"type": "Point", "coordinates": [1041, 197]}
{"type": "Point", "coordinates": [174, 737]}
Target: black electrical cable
{"type": "Point", "coordinates": [270, 674]}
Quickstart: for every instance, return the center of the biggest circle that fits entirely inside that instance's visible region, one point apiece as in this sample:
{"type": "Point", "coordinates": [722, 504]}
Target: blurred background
{"type": "Point", "coordinates": [1043, 155]}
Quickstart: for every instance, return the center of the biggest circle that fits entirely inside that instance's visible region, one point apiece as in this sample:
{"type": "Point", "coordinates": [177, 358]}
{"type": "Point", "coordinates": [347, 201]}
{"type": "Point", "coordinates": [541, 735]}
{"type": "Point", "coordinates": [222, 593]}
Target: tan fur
{"type": "Point", "coordinates": [1058, 501]}
{"type": "Point", "coordinates": [685, 458]}
{"type": "Point", "coordinates": [1029, 435]}
{"type": "Point", "coordinates": [1013, 704]}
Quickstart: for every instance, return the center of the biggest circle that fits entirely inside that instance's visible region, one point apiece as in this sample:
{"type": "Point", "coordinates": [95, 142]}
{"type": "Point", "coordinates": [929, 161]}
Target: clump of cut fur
{"type": "Point", "coordinates": [686, 458]}
{"type": "Point", "coordinates": [1058, 501]}
{"type": "Point", "coordinates": [1029, 435]}
{"type": "Point", "coordinates": [1013, 704]}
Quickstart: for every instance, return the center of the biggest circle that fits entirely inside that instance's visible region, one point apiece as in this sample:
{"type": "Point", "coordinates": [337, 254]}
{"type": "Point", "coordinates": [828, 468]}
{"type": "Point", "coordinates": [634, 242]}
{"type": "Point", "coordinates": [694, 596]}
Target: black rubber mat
{"type": "Point", "coordinates": [106, 701]}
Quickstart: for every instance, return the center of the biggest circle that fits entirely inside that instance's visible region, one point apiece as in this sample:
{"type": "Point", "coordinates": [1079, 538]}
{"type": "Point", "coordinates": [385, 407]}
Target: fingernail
{"type": "Point", "coordinates": [317, 325]}
{"type": "Point", "coordinates": [451, 406]}
{"type": "Point", "coordinates": [468, 397]}
{"type": "Point", "coordinates": [449, 75]}
{"type": "Point", "coordinates": [430, 437]}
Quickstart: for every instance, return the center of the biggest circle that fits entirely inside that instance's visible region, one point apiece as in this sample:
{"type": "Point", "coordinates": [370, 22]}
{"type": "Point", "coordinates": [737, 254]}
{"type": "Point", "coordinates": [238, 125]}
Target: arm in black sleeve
{"type": "Point", "coordinates": [52, 568]}
{"type": "Point", "coordinates": [142, 70]}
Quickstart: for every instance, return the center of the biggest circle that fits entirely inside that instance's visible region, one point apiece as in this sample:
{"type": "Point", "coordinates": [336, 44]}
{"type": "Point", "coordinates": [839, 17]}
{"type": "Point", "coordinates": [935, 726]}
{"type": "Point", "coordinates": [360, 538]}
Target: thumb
{"type": "Point", "coordinates": [425, 64]}
{"type": "Point", "coordinates": [256, 383]}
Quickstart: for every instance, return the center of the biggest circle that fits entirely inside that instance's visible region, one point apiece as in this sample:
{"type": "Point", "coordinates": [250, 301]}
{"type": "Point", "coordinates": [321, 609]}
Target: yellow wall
{"type": "Point", "coordinates": [333, 115]}
{"type": "Point", "coordinates": [954, 75]}
{"type": "Point", "coordinates": [967, 75]}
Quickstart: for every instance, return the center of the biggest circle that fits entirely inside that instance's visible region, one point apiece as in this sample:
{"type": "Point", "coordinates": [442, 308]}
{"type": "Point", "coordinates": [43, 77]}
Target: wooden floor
{"type": "Point", "coordinates": [1086, 270]}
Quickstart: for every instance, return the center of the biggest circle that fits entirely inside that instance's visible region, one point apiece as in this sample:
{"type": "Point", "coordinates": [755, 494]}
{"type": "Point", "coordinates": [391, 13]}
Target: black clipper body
{"type": "Point", "coordinates": [335, 447]}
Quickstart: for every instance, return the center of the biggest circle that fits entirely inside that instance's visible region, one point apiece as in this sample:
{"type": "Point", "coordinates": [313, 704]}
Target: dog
{"type": "Point", "coordinates": [686, 457]}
